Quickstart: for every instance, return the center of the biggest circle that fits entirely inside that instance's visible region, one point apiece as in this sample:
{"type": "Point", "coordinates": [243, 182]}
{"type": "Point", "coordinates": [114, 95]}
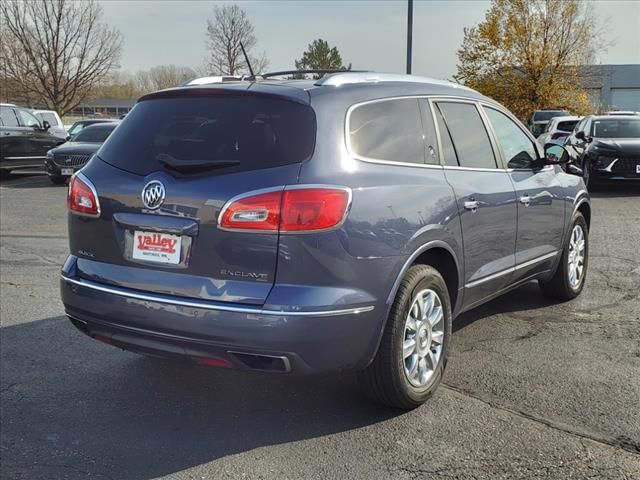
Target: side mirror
{"type": "Point", "coordinates": [46, 125]}
{"type": "Point", "coordinates": [555, 154]}
{"type": "Point", "coordinates": [581, 136]}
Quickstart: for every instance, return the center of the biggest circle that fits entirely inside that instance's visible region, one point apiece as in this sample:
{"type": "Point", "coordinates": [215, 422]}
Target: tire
{"type": "Point", "coordinates": [57, 179]}
{"type": "Point", "coordinates": [560, 286]}
{"type": "Point", "coordinates": [385, 380]}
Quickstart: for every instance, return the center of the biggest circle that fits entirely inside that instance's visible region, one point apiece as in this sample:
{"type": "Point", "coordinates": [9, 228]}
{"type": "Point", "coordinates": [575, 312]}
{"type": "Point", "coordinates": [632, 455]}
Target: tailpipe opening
{"type": "Point", "coordinates": [268, 363]}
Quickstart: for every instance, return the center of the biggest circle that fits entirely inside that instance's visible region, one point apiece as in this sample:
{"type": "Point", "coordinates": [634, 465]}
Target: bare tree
{"type": "Point", "coordinates": [54, 52]}
{"type": "Point", "coordinates": [163, 76]}
{"type": "Point", "coordinates": [230, 27]}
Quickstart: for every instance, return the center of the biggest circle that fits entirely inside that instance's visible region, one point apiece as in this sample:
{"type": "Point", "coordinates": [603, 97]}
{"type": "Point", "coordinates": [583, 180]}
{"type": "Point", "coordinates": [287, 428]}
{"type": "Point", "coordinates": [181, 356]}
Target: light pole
{"type": "Point", "coordinates": [409, 34]}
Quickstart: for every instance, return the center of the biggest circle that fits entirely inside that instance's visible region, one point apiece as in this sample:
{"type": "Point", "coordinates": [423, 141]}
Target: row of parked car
{"type": "Point", "coordinates": [604, 147]}
{"type": "Point", "coordinates": [31, 138]}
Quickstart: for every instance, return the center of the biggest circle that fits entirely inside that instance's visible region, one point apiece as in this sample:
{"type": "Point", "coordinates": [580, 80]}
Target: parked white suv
{"type": "Point", "coordinates": [51, 116]}
{"type": "Point", "coordinates": [558, 129]}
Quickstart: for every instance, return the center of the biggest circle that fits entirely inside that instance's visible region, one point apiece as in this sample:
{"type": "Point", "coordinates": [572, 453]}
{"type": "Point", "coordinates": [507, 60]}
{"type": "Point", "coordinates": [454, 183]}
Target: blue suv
{"type": "Point", "coordinates": [312, 225]}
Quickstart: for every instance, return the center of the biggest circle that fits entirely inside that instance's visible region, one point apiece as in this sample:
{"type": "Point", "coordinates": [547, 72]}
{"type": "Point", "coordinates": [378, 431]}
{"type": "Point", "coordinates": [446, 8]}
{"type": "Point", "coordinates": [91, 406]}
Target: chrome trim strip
{"type": "Point", "coordinates": [25, 158]}
{"type": "Point", "coordinates": [520, 266]}
{"type": "Point", "coordinates": [536, 260]}
{"type": "Point", "coordinates": [210, 306]}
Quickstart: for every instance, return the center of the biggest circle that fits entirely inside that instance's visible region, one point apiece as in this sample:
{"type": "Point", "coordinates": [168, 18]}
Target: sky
{"type": "Point", "coordinates": [369, 34]}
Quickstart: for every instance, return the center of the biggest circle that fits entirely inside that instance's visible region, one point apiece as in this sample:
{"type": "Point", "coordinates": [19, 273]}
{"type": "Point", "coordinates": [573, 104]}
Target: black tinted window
{"type": "Point", "coordinates": [8, 117]}
{"type": "Point", "coordinates": [469, 136]}
{"type": "Point", "coordinates": [94, 134]}
{"type": "Point", "coordinates": [448, 152]}
{"type": "Point", "coordinates": [390, 130]}
{"type": "Point", "coordinates": [567, 126]}
{"type": "Point", "coordinates": [244, 133]}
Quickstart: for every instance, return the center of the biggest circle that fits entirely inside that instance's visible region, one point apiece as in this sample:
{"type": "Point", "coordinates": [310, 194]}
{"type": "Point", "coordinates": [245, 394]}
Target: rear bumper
{"type": "Point", "coordinates": [304, 341]}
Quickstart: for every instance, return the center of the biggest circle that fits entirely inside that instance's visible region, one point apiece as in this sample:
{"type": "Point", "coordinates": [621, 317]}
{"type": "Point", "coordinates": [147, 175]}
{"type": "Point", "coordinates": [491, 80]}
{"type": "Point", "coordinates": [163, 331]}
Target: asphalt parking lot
{"type": "Point", "coordinates": [533, 389]}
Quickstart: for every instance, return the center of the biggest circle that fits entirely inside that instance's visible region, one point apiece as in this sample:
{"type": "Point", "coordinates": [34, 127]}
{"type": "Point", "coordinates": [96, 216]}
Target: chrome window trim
{"type": "Point", "coordinates": [158, 298]}
{"type": "Point", "coordinates": [302, 186]}
{"type": "Point", "coordinates": [509, 270]}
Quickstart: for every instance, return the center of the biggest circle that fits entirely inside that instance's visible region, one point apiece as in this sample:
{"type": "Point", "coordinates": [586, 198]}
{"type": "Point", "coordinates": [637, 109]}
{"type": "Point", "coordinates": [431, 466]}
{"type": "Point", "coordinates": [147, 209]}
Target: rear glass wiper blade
{"type": "Point", "coordinates": [193, 165]}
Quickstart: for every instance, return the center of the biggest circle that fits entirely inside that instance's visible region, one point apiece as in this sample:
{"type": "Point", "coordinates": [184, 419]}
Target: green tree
{"type": "Point", "coordinates": [531, 54]}
{"type": "Point", "coordinates": [320, 56]}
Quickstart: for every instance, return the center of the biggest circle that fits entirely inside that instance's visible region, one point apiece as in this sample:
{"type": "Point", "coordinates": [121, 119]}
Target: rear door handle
{"type": "Point", "coordinates": [471, 205]}
{"type": "Point", "coordinates": [525, 200]}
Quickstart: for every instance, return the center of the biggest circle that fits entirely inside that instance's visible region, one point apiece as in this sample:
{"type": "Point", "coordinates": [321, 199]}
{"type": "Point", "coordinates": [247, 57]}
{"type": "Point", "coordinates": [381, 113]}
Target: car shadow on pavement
{"type": "Point", "coordinates": [525, 297]}
{"type": "Point", "coordinates": [27, 182]}
{"type": "Point", "coordinates": [71, 401]}
{"type": "Point", "coordinates": [616, 190]}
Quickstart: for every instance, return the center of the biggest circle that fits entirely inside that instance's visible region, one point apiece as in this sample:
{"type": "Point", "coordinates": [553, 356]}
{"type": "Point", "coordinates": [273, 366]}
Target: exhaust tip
{"type": "Point", "coordinates": [265, 363]}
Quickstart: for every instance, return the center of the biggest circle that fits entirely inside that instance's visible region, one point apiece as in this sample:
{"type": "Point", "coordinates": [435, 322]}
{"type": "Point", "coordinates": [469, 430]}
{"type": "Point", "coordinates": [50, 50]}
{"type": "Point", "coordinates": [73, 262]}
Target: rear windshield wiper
{"type": "Point", "coordinates": [193, 165]}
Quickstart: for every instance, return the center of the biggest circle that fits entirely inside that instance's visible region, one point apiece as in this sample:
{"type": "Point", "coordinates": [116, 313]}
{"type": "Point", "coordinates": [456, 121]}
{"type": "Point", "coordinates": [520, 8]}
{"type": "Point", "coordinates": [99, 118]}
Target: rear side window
{"type": "Point", "coordinates": [236, 133]}
{"type": "Point", "coordinates": [8, 117]}
{"type": "Point", "coordinates": [390, 130]}
{"type": "Point", "coordinates": [49, 117]}
{"type": "Point", "coordinates": [468, 134]}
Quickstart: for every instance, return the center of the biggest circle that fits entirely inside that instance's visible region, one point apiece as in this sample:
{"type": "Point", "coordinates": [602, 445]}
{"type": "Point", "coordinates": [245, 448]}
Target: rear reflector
{"type": "Point", "coordinates": [556, 135]}
{"type": "Point", "coordinates": [299, 209]}
{"type": "Point", "coordinates": [103, 339]}
{"type": "Point", "coordinates": [214, 362]}
{"type": "Point", "coordinates": [82, 198]}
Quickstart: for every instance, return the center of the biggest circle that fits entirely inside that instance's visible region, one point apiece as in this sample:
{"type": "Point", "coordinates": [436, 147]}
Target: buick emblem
{"type": "Point", "coordinates": [153, 194]}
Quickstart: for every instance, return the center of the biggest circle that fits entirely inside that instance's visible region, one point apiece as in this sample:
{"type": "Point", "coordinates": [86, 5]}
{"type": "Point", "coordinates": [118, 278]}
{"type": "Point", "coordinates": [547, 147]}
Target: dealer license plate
{"type": "Point", "coordinates": [156, 247]}
{"type": "Point", "coordinates": [67, 171]}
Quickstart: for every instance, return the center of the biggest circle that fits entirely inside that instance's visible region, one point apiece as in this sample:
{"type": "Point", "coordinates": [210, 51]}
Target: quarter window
{"type": "Point", "coordinates": [389, 130]}
{"type": "Point", "coordinates": [468, 134]}
{"type": "Point", "coordinates": [516, 147]}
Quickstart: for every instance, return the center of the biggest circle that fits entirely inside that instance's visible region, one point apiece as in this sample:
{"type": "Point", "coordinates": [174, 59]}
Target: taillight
{"type": "Point", "coordinates": [294, 209]}
{"type": "Point", "coordinates": [82, 198]}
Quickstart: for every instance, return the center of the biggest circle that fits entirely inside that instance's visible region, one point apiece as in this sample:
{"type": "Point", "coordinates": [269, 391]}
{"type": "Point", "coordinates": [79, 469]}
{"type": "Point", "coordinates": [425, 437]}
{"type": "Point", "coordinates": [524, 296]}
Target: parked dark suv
{"type": "Point", "coordinates": [607, 148]}
{"type": "Point", "coordinates": [302, 226]}
{"type": "Point", "coordinates": [24, 141]}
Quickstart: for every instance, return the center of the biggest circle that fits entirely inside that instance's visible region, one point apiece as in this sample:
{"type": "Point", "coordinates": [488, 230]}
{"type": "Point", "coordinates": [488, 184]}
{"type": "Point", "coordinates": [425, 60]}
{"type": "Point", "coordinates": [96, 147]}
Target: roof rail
{"type": "Point", "coordinates": [344, 78]}
{"type": "Point", "coordinates": [303, 72]}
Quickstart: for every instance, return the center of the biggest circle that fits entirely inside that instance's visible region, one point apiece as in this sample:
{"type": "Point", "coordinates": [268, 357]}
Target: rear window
{"type": "Point", "coordinates": [567, 126]}
{"type": "Point", "coordinates": [248, 133]}
{"type": "Point", "coordinates": [49, 117]}
{"type": "Point", "coordinates": [94, 134]}
{"type": "Point", "coordinates": [547, 115]}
